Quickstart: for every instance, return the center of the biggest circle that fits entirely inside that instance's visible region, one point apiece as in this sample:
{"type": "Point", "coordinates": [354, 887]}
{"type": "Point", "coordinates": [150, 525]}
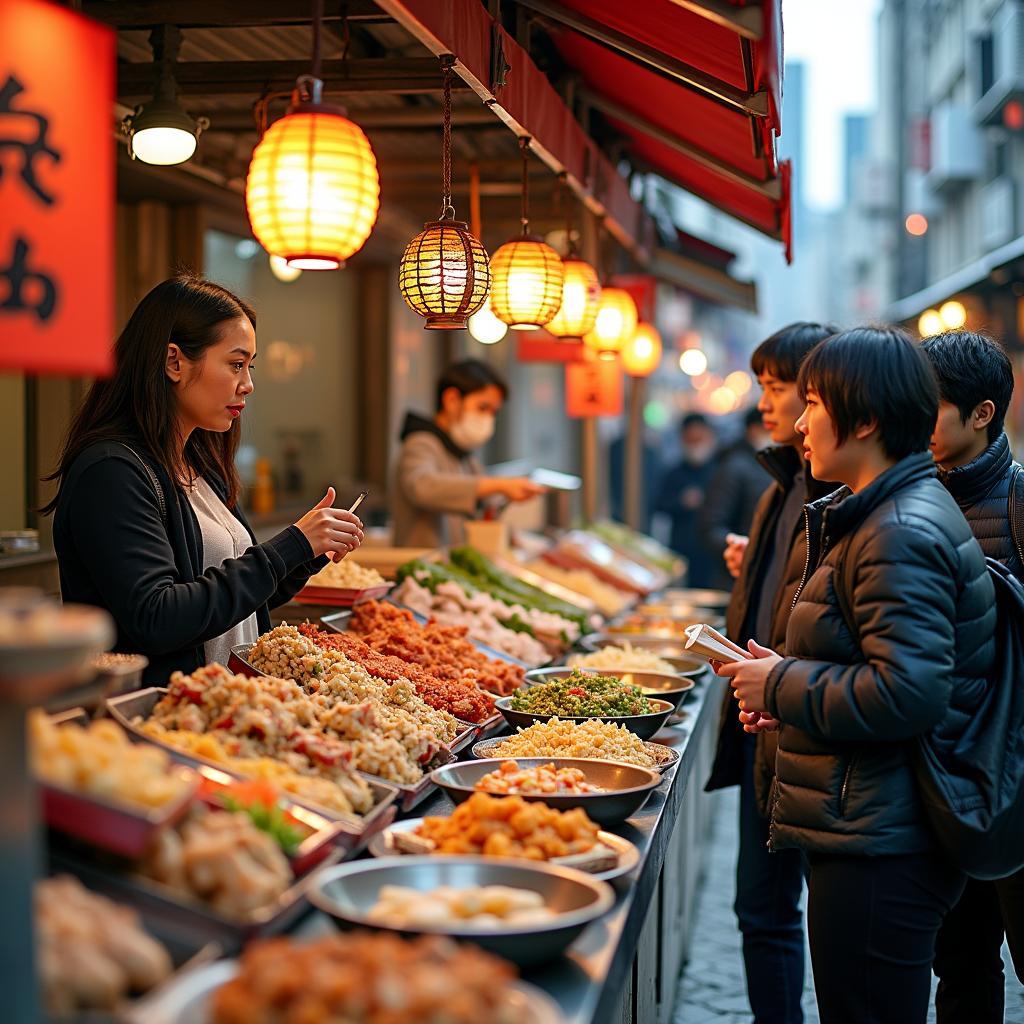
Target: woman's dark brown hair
{"type": "Point", "coordinates": [137, 403]}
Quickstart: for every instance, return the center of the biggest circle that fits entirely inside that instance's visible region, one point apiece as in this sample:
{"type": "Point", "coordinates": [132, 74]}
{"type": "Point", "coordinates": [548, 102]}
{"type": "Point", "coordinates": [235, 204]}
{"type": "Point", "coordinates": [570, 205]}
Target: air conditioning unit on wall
{"type": "Point", "coordinates": [998, 213]}
{"type": "Point", "coordinates": [999, 62]}
{"type": "Point", "coordinates": [957, 151]}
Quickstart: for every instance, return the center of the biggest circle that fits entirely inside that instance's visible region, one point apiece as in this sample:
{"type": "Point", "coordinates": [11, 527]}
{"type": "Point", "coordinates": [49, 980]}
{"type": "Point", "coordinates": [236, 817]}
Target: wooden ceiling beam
{"type": "Point", "coordinates": [245, 77]}
{"type": "Point", "coordinates": [222, 13]}
{"type": "Point", "coordinates": [419, 118]}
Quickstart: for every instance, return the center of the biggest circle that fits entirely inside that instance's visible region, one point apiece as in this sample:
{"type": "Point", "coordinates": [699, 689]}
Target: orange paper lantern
{"type": "Point", "coordinates": [641, 355]}
{"type": "Point", "coordinates": [581, 294]}
{"type": "Point", "coordinates": [615, 323]}
{"type": "Point", "coordinates": [313, 190]}
{"type": "Point", "coordinates": [526, 283]}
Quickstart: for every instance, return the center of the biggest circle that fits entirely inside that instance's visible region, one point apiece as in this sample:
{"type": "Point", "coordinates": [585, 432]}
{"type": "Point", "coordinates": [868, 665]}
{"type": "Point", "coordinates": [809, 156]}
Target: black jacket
{"type": "Point", "coordinates": [899, 559]}
{"type": "Point", "coordinates": [982, 490]}
{"type": "Point", "coordinates": [115, 550]}
{"type": "Point", "coordinates": [782, 463]}
{"type": "Point", "coordinates": [733, 494]}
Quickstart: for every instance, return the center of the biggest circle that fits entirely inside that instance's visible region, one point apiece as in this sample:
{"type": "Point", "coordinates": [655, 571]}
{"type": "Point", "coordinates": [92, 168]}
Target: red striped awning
{"type": "Point", "coordinates": [693, 87]}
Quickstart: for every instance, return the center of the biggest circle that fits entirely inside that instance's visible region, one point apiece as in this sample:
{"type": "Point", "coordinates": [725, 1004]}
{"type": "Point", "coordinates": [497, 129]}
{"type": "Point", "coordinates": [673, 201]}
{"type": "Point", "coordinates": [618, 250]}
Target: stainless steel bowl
{"type": "Point", "coordinates": [626, 787]}
{"type": "Point", "coordinates": [665, 686]}
{"type": "Point", "coordinates": [697, 597]}
{"type": "Point", "coordinates": [349, 891]}
{"type": "Point", "coordinates": [644, 726]}
{"type": "Point", "coordinates": [672, 649]}
{"type": "Point", "coordinates": [665, 757]}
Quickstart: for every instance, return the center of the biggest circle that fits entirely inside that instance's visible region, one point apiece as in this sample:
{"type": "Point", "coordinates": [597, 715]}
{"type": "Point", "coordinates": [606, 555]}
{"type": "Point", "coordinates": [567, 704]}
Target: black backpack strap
{"type": "Point", "coordinates": [1015, 510]}
{"type": "Point", "coordinates": [154, 480]}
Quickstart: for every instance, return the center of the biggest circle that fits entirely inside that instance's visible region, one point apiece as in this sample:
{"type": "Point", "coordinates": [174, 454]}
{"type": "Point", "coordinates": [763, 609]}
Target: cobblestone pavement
{"type": "Point", "coordinates": [712, 989]}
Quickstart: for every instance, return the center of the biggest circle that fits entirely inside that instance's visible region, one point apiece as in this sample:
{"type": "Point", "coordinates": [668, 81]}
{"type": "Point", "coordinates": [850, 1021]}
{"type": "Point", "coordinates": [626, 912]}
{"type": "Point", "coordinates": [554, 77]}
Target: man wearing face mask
{"type": "Point", "coordinates": [438, 481]}
{"type": "Point", "coordinates": [682, 497]}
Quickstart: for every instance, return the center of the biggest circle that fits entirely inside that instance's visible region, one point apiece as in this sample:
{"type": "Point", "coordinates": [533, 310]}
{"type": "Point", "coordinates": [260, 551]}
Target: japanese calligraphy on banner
{"type": "Point", "coordinates": [593, 389]}
{"type": "Point", "coordinates": [56, 190]}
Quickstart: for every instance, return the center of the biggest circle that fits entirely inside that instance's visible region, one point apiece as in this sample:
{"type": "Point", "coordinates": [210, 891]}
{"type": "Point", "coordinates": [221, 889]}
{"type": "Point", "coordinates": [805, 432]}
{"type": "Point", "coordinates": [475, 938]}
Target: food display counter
{"type": "Point", "coordinates": [625, 967]}
{"type": "Point", "coordinates": [335, 729]}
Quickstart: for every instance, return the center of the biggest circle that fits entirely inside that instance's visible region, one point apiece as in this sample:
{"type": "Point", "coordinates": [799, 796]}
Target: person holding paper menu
{"type": "Point", "coordinates": [769, 886]}
{"type": "Point", "coordinates": [890, 638]}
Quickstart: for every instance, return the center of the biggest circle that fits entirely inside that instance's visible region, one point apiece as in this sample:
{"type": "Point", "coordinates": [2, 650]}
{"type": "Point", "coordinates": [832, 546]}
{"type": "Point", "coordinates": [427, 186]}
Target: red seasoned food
{"type": "Point", "coordinates": [460, 698]}
{"type": "Point", "coordinates": [443, 651]}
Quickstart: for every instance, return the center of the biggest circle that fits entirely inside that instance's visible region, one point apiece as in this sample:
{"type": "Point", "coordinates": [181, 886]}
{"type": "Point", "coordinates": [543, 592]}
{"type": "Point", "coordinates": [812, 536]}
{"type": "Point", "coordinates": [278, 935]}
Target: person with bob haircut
{"type": "Point", "coordinates": [769, 567]}
{"type": "Point", "coordinates": [975, 380]}
{"type": "Point", "coordinates": [891, 638]}
{"type": "Point", "coordinates": [438, 480]}
{"type": "Point", "coordinates": [147, 519]}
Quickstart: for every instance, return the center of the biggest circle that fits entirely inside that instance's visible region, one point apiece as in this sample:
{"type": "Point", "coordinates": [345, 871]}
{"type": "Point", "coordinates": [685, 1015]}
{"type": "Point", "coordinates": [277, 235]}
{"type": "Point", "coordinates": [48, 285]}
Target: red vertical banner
{"type": "Point", "coordinates": [56, 190]}
{"type": "Point", "coordinates": [593, 389]}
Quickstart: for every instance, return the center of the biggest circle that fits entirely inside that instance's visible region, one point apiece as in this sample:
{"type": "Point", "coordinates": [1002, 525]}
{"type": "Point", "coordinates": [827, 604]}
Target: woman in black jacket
{"type": "Point", "coordinates": [147, 522]}
{"type": "Point", "coordinates": [890, 638]}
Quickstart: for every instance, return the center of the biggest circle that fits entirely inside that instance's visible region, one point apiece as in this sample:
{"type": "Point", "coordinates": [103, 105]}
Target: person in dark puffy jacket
{"type": "Point", "coordinates": [769, 886]}
{"type": "Point", "coordinates": [891, 638]}
{"type": "Point", "coordinates": [975, 379]}
{"type": "Point", "coordinates": [735, 487]}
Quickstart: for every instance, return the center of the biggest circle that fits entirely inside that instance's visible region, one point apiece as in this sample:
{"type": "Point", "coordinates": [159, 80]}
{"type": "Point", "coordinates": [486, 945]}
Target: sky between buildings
{"type": "Point", "coordinates": [835, 40]}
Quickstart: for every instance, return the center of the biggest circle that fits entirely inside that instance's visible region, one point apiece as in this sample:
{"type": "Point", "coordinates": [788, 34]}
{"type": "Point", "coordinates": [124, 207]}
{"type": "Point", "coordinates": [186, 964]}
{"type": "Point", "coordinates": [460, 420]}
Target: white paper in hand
{"type": "Point", "coordinates": [706, 642]}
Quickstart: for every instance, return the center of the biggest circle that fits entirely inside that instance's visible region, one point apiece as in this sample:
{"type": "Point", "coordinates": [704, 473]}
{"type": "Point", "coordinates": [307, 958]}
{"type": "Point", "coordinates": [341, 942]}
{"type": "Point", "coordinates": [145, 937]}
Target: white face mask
{"type": "Point", "coordinates": [472, 430]}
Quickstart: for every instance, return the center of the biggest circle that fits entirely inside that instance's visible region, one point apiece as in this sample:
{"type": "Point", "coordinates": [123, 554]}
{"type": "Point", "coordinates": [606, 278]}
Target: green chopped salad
{"type": "Point", "coordinates": [582, 695]}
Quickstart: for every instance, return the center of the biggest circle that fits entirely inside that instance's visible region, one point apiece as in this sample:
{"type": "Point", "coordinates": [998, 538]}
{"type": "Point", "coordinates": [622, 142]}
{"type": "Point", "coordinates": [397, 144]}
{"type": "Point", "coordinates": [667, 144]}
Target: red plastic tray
{"type": "Point", "coordinates": [338, 597]}
{"type": "Point", "coordinates": [117, 827]}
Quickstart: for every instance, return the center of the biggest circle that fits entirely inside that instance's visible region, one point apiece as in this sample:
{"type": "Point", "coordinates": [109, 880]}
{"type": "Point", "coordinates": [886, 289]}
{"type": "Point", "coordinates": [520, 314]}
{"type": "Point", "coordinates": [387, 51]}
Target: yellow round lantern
{"type": "Point", "coordinates": [313, 190]}
{"type": "Point", "coordinates": [444, 275]}
{"type": "Point", "coordinates": [953, 315]}
{"type": "Point", "coordinates": [641, 355]}
{"type": "Point", "coordinates": [615, 323]}
{"type": "Point", "coordinates": [526, 283]}
{"type": "Point", "coordinates": [581, 293]}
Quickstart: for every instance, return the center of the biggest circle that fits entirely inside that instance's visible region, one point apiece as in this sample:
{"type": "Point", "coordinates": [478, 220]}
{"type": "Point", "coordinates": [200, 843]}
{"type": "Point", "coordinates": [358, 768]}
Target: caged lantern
{"type": "Point", "coordinates": [444, 274]}
{"type": "Point", "coordinates": [526, 273]}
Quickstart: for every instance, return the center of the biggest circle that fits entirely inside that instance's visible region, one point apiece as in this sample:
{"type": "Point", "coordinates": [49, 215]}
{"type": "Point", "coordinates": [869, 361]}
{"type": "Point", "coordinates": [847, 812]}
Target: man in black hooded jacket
{"type": "Point", "coordinates": [769, 886]}
{"type": "Point", "coordinates": [975, 380]}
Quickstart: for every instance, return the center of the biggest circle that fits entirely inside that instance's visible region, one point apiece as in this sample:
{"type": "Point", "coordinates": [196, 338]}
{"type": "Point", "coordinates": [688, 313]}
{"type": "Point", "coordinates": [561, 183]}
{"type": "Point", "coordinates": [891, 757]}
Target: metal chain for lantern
{"type": "Point", "coordinates": [526, 272]}
{"type": "Point", "coordinates": [444, 274]}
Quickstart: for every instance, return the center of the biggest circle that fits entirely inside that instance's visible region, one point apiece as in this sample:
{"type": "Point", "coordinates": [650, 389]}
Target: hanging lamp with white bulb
{"type": "Point", "coordinates": [160, 132]}
{"type": "Point", "coordinates": [444, 273]}
{"type": "Point", "coordinates": [313, 190]}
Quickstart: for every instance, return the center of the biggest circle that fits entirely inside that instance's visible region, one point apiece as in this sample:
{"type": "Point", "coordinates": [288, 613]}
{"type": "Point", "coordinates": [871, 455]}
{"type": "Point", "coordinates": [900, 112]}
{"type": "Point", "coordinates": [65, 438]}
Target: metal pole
{"type": "Point", "coordinates": [590, 249]}
{"type": "Point", "coordinates": [19, 865]}
{"type": "Point", "coordinates": [634, 475]}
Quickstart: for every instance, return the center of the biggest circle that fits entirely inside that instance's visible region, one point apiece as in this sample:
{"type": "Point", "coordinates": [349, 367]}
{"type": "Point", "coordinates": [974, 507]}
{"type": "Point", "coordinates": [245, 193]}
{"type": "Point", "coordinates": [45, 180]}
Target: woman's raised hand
{"type": "Point", "coordinates": [331, 530]}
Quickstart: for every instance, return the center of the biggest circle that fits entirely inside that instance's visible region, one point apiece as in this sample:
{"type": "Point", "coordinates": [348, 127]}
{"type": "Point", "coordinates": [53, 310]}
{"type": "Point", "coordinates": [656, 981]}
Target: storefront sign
{"type": "Point", "coordinates": [56, 190]}
{"type": "Point", "coordinates": [593, 389]}
{"type": "Point", "coordinates": [540, 347]}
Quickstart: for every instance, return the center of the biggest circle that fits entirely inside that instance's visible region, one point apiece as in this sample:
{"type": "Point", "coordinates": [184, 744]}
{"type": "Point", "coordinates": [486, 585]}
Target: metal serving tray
{"type": "Point", "coordinates": [470, 731]}
{"type": "Point", "coordinates": [179, 915]}
{"type": "Point", "coordinates": [121, 828]}
{"type": "Point", "coordinates": [187, 955]}
{"type": "Point", "coordinates": [338, 623]}
{"type": "Point", "coordinates": [354, 832]}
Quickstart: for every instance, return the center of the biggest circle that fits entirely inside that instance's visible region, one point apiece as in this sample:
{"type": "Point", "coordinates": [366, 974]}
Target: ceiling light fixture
{"type": "Point", "coordinates": [160, 132]}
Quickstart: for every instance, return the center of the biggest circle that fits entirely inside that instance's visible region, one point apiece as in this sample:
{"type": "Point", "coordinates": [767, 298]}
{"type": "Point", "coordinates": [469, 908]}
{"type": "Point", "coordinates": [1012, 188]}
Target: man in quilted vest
{"type": "Point", "coordinates": [975, 379]}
